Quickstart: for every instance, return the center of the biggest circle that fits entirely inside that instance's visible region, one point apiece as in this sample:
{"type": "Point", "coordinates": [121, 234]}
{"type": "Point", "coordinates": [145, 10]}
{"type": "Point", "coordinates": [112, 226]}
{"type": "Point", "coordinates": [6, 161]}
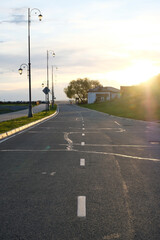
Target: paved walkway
{"type": "Point", "coordinates": [22, 113]}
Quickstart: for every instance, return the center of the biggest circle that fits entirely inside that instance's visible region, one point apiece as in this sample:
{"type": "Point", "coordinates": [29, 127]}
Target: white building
{"type": "Point", "coordinates": [101, 94]}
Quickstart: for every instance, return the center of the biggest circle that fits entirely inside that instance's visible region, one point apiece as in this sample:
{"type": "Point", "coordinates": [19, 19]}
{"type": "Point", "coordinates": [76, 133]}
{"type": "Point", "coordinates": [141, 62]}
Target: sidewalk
{"type": "Point", "coordinates": [22, 113]}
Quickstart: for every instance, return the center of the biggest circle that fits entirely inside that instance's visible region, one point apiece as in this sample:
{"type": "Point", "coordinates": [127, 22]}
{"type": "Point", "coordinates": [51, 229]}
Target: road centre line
{"type": "Point", "coordinates": [82, 143]}
{"type": "Point", "coordinates": [82, 162]}
{"type": "Point", "coordinates": [81, 206]}
{"type": "Point", "coordinates": [112, 236]}
{"type": "Point", "coordinates": [83, 134]}
{"type": "Point", "coordinates": [52, 173]}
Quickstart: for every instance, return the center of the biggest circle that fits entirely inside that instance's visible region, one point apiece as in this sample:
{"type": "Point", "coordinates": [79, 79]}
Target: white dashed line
{"type": "Point", "coordinates": [82, 143]}
{"type": "Point", "coordinates": [83, 129]}
{"type": "Point", "coordinates": [81, 206]}
{"type": "Point", "coordinates": [83, 134]}
{"type": "Point", "coordinates": [44, 173]}
{"type": "Point", "coordinates": [52, 173]}
{"type": "Point", "coordinates": [82, 162]}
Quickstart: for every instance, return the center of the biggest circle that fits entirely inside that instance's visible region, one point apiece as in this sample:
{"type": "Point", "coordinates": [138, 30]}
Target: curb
{"type": "Point", "coordinates": [19, 129]}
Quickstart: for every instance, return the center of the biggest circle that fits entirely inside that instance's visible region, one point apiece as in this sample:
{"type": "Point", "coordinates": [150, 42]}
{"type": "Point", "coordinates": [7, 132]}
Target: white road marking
{"type": "Point", "coordinates": [122, 155]}
{"type": "Point", "coordinates": [83, 134]}
{"type": "Point", "coordinates": [82, 143]}
{"type": "Point", "coordinates": [112, 236]}
{"type": "Point", "coordinates": [70, 143]}
{"type": "Point", "coordinates": [83, 129]}
{"type": "Point", "coordinates": [82, 162]}
{"type": "Point", "coordinates": [91, 152]}
{"type": "Point", "coordinates": [81, 206]}
{"type": "Point", "coordinates": [118, 145]}
{"type": "Point", "coordinates": [52, 173]}
{"type": "Point", "coordinates": [117, 123]}
{"type": "Point", "coordinates": [44, 173]}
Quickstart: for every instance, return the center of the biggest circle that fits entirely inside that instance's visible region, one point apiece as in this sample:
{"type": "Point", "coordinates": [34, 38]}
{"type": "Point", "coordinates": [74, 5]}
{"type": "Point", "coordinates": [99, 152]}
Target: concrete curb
{"type": "Point", "coordinates": [19, 129]}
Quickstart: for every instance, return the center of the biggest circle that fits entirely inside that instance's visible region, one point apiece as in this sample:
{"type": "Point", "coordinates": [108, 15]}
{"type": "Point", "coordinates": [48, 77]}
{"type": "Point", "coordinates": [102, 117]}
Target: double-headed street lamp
{"type": "Point", "coordinates": [53, 55]}
{"type": "Point", "coordinates": [35, 10]}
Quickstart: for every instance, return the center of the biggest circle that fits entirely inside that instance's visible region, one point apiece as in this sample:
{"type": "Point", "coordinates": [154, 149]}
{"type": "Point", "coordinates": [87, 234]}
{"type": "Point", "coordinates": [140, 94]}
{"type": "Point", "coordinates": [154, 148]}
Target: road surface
{"type": "Point", "coordinates": [22, 113]}
{"type": "Point", "coordinates": [82, 175]}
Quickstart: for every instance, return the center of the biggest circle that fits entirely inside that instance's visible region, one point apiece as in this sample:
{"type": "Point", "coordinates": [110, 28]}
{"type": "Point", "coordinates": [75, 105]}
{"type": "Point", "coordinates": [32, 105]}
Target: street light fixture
{"type": "Point", "coordinates": [20, 70]}
{"type": "Point", "coordinates": [53, 55]}
{"type": "Point", "coordinates": [23, 65]}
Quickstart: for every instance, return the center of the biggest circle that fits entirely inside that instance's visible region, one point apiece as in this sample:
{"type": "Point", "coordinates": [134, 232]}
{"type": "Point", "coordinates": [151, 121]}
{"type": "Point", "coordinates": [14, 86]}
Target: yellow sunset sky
{"type": "Point", "coordinates": [115, 42]}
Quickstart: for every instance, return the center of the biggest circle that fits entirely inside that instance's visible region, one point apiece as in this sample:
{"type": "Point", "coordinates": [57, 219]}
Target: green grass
{"type": "Point", "coordinates": [18, 122]}
{"type": "Point", "coordinates": [128, 108]}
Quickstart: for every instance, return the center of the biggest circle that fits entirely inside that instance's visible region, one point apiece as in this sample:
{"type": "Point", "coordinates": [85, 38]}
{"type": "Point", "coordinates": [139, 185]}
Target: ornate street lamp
{"type": "Point", "coordinates": [36, 10]}
{"type": "Point", "coordinates": [23, 65]}
{"type": "Point", "coordinates": [53, 55]}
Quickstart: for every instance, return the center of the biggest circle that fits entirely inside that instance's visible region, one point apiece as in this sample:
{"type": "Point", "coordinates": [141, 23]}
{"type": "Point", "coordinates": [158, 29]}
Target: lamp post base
{"type": "Point", "coordinates": [30, 112]}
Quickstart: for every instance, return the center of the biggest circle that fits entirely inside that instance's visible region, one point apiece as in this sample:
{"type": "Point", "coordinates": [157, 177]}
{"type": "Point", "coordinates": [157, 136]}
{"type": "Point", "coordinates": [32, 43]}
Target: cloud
{"type": "Point", "coordinates": [16, 19]}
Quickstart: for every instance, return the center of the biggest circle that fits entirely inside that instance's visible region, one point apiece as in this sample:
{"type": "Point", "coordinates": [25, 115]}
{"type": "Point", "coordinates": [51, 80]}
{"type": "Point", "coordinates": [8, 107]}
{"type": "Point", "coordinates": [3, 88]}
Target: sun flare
{"type": "Point", "coordinates": [139, 72]}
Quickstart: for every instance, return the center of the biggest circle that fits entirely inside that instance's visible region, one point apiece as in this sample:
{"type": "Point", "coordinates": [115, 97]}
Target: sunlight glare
{"type": "Point", "coordinates": [139, 72]}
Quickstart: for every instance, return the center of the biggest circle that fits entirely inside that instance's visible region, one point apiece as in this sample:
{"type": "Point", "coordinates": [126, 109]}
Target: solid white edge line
{"type": "Point", "coordinates": [81, 206]}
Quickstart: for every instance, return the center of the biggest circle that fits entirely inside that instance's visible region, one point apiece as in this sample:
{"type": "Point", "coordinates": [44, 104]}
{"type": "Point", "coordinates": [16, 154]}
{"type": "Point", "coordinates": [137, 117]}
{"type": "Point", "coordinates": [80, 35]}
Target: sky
{"type": "Point", "coordinates": [114, 41]}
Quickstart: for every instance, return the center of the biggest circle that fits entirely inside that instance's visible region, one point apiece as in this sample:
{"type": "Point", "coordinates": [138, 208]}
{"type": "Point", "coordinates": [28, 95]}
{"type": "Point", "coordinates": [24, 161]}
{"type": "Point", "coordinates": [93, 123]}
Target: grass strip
{"type": "Point", "coordinates": [18, 122]}
{"type": "Point", "coordinates": [127, 109]}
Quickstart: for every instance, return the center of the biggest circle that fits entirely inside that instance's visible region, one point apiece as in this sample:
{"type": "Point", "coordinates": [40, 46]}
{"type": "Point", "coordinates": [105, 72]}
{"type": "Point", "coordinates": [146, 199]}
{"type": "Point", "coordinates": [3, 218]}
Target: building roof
{"type": "Point", "coordinates": [104, 89]}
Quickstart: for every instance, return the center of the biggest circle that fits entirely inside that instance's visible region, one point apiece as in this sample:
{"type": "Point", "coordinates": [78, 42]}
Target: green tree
{"type": "Point", "coordinates": [78, 89]}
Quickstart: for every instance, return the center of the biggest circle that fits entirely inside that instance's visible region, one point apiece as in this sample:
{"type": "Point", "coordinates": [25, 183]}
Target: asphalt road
{"type": "Point", "coordinates": [81, 175]}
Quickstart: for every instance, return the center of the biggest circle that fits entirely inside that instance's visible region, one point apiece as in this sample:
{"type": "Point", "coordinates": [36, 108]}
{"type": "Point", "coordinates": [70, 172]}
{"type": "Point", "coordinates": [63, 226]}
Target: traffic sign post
{"type": "Point", "coordinates": [46, 92]}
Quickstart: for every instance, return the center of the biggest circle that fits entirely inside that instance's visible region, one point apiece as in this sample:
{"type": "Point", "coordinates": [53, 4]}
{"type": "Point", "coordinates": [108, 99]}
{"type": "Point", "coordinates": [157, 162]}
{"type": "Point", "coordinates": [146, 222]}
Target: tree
{"type": "Point", "coordinates": [78, 89]}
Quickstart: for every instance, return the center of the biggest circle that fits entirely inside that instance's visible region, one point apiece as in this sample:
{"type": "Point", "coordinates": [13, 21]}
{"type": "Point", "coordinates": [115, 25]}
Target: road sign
{"type": "Point", "coordinates": [46, 90]}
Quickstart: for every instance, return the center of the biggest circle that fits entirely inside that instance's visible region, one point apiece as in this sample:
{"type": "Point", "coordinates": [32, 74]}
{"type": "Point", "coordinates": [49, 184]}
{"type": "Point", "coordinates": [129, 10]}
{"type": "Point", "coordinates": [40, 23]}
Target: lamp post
{"type": "Point", "coordinates": [29, 56]}
{"type": "Point", "coordinates": [53, 54]}
{"type": "Point", "coordinates": [53, 87]}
